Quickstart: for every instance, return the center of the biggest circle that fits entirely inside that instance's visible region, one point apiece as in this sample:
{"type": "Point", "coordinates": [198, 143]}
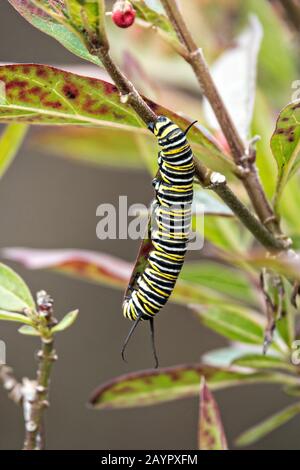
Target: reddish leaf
{"type": "Point", "coordinates": [90, 265]}
{"type": "Point", "coordinates": [40, 94]}
{"type": "Point", "coordinates": [103, 269]}
{"type": "Point", "coordinates": [211, 431]}
{"type": "Point", "coordinates": [151, 387]}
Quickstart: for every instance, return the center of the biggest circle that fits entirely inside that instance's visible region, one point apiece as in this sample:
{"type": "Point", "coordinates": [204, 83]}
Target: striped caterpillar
{"type": "Point", "coordinates": [171, 214]}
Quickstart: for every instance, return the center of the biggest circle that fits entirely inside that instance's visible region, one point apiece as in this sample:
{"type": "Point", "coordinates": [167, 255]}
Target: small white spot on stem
{"type": "Point", "coordinates": [31, 426]}
{"type": "Point", "coordinates": [124, 98]}
{"type": "Point", "coordinates": [217, 178]}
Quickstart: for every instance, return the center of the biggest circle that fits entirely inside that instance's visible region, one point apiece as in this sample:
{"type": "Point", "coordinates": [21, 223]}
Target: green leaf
{"type": "Point", "coordinates": [211, 432]}
{"type": "Point", "coordinates": [151, 387]}
{"type": "Point", "coordinates": [235, 323]}
{"type": "Point", "coordinates": [224, 357]}
{"type": "Point", "coordinates": [277, 59]}
{"type": "Point", "coordinates": [16, 317]}
{"type": "Point", "coordinates": [155, 5]}
{"type": "Point", "coordinates": [14, 293]}
{"type": "Point", "coordinates": [114, 148]}
{"type": "Point", "coordinates": [84, 9]}
{"type": "Point", "coordinates": [225, 233]}
{"type": "Point", "coordinates": [117, 148]}
{"type": "Point", "coordinates": [48, 25]}
{"type": "Point", "coordinates": [263, 125]}
{"type": "Point", "coordinates": [186, 292]}
{"type": "Point", "coordinates": [66, 322]}
{"type": "Point", "coordinates": [10, 142]}
{"type": "Point", "coordinates": [261, 361]}
{"type": "Point", "coordinates": [88, 18]}
{"type": "Point", "coordinates": [265, 427]}
{"type": "Point", "coordinates": [28, 330]}
{"type": "Point", "coordinates": [286, 325]}
{"type": "Point", "coordinates": [156, 18]}
{"type": "Point", "coordinates": [226, 280]}
{"type": "Point", "coordinates": [285, 144]}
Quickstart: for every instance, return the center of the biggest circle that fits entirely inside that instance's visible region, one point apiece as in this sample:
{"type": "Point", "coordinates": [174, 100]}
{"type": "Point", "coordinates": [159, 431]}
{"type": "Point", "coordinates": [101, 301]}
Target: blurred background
{"type": "Point", "coordinates": [48, 202]}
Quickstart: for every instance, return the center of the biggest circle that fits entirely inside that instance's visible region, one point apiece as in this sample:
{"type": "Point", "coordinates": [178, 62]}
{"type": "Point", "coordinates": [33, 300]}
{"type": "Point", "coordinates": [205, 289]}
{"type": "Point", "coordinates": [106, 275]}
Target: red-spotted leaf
{"type": "Point", "coordinates": [44, 95]}
{"type": "Point", "coordinates": [211, 432]}
{"type": "Point", "coordinates": [151, 387]}
{"type": "Point", "coordinates": [53, 26]}
{"type": "Point", "coordinates": [102, 147]}
{"type": "Point", "coordinates": [40, 94]}
{"type": "Point", "coordinates": [285, 145]}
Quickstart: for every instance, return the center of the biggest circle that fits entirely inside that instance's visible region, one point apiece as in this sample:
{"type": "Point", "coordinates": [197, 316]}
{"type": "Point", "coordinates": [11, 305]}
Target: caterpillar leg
{"type": "Point", "coordinates": [155, 183]}
{"type": "Point", "coordinates": [130, 287]}
{"type": "Point", "coordinates": [131, 331]}
{"type": "Point", "coordinates": [153, 343]}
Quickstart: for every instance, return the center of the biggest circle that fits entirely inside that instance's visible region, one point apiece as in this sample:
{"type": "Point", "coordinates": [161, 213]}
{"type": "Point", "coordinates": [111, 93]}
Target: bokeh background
{"type": "Point", "coordinates": [47, 202]}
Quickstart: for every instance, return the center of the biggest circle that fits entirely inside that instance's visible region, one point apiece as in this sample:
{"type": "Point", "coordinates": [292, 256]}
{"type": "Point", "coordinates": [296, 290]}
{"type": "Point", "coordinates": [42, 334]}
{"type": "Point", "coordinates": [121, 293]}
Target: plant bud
{"type": "Point", "coordinates": [123, 14]}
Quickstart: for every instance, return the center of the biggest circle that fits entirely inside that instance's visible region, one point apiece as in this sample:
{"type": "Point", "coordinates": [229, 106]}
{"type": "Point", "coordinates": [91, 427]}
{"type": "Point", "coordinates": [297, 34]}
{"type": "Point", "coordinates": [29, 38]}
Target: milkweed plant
{"type": "Point", "coordinates": [233, 67]}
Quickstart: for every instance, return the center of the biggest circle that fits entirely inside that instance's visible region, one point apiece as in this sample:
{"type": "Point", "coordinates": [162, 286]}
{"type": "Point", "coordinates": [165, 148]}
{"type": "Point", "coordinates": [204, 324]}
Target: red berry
{"type": "Point", "coordinates": [123, 14]}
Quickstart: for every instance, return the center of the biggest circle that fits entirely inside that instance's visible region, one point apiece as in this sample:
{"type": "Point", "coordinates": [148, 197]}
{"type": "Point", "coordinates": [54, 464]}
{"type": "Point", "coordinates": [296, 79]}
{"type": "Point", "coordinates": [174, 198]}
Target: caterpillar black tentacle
{"type": "Point", "coordinates": [172, 219]}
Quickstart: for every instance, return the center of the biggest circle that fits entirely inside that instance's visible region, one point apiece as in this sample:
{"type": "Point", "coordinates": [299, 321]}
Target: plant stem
{"type": "Point", "coordinates": [243, 156]}
{"type": "Point", "coordinates": [36, 392]}
{"type": "Point", "coordinates": [125, 87]}
{"type": "Point", "coordinates": [37, 400]}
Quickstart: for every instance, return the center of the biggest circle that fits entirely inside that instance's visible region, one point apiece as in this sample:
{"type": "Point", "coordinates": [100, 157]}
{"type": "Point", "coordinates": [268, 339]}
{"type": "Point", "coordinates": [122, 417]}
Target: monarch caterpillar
{"type": "Point", "coordinates": [171, 212]}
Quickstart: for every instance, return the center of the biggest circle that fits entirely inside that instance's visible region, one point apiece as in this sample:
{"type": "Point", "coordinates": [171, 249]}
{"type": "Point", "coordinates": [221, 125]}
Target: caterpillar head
{"type": "Point", "coordinates": [166, 131]}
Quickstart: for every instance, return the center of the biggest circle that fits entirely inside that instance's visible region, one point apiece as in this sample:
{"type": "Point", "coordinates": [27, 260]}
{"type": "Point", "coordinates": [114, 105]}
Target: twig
{"type": "Point", "coordinates": [26, 394]}
{"type": "Point", "coordinates": [36, 392]}
{"type": "Point", "coordinates": [127, 90]}
{"type": "Point", "coordinates": [36, 398]}
{"type": "Point", "coordinates": [243, 156]}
